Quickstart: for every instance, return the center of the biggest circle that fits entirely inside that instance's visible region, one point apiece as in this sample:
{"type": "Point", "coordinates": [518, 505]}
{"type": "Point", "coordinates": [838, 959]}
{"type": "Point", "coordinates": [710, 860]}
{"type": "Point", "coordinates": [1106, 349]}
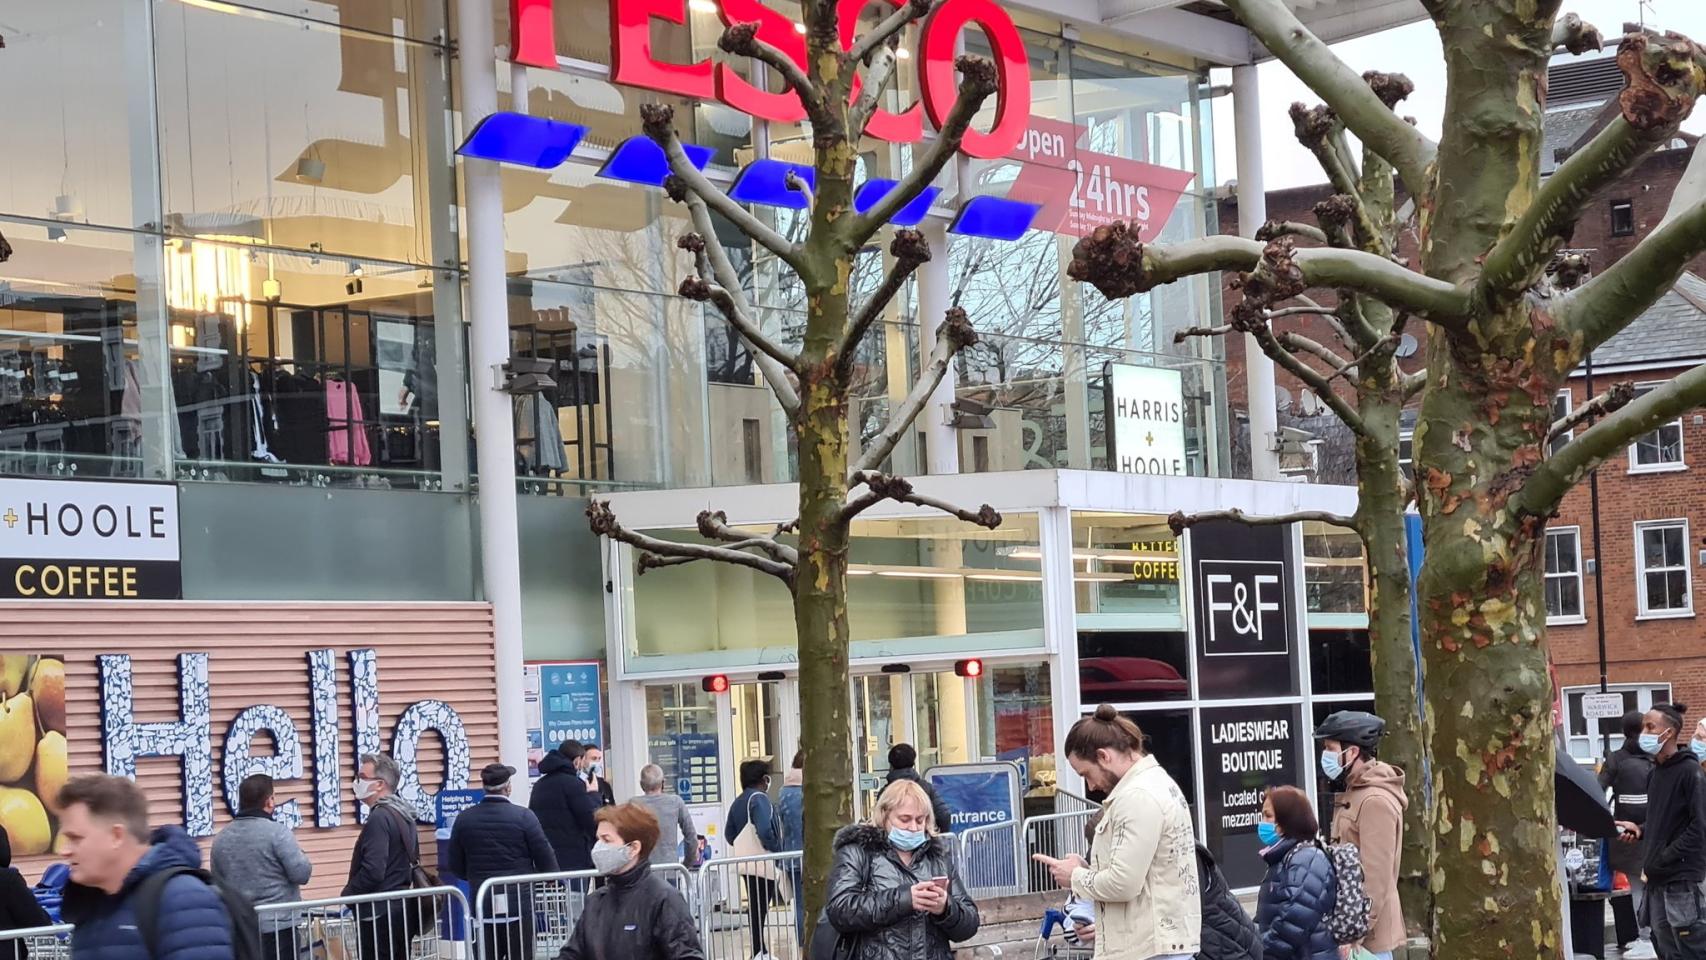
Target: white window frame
{"type": "Point", "coordinates": [1580, 616]}
{"type": "Point", "coordinates": [1567, 435]}
{"type": "Point", "coordinates": [1588, 747]}
{"type": "Point", "coordinates": [1681, 462]}
{"type": "Point", "coordinates": [1406, 465]}
{"type": "Point", "coordinates": [1641, 570]}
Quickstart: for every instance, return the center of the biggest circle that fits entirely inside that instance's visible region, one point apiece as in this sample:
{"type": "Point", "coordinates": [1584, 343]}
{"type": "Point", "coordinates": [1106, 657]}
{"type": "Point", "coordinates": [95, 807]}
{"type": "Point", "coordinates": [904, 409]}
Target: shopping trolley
{"type": "Point", "coordinates": [1053, 918]}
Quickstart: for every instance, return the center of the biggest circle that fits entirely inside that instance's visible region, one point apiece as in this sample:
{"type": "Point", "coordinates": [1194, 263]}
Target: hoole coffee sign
{"type": "Point", "coordinates": [632, 61]}
{"type": "Point", "coordinates": [75, 540]}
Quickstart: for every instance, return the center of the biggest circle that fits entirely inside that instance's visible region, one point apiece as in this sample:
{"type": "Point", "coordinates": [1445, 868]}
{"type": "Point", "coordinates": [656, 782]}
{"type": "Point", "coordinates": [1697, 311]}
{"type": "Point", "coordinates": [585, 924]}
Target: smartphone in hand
{"type": "Point", "coordinates": [941, 883]}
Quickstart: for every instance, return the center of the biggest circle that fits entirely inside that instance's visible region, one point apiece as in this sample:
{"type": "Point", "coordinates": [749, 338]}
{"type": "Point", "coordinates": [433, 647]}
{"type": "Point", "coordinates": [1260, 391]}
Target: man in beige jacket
{"type": "Point", "coordinates": [1368, 812]}
{"type": "Point", "coordinates": [1142, 874]}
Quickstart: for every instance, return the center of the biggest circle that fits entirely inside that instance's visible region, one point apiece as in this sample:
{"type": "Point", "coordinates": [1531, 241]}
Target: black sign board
{"type": "Point", "coordinates": [1244, 609]}
{"type": "Point", "coordinates": [1245, 750]}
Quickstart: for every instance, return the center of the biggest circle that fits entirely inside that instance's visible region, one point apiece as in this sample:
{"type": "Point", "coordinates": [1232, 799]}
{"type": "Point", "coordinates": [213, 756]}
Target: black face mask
{"type": "Point", "coordinates": [1096, 796]}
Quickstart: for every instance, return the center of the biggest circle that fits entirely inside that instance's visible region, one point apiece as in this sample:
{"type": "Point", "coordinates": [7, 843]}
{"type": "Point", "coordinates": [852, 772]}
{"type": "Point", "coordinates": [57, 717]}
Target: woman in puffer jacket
{"type": "Point", "coordinates": [895, 891]}
{"type": "Point", "coordinates": [1299, 890]}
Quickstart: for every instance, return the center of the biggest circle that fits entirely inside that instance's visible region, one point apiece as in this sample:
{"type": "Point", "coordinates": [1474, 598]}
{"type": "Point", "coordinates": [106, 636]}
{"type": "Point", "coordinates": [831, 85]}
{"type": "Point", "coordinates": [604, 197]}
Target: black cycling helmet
{"type": "Point", "coordinates": [1352, 727]}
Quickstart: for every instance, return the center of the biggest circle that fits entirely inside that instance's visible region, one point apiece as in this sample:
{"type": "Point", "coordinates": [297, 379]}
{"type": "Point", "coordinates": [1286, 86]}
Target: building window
{"type": "Point", "coordinates": [1564, 575]}
{"type": "Point", "coordinates": [1622, 218]}
{"type": "Point", "coordinates": [1406, 452]}
{"type": "Point", "coordinates": [1560, 410]}
{"type": "Point", "coordinates": [1661, 449]}
{"type": "Point", "coordinates": [1662, 574]}
{"type": "Point", "coordinates": [752, 449]}
{"type": "Point", "coordinates": [1588, 738]}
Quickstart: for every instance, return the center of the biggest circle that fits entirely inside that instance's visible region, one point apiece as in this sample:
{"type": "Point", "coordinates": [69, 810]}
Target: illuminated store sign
{"type": "Point", "coordinates": [533, 42]}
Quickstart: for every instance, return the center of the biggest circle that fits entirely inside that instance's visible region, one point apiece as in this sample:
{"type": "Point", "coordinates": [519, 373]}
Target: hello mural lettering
{"type": "Point", "coordinates": [190, 738]}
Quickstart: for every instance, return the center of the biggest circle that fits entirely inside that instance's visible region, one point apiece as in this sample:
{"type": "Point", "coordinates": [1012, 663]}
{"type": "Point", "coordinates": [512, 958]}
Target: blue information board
{"type": "Point", "coordinates": [689, 761]}
{"type": "Point", "coordinates": [571, 703]}
{"type": "Point", "coordinates": [979, 795]}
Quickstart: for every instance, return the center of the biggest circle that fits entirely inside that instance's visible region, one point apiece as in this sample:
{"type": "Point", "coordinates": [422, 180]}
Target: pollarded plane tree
{"type": "Point", "coordinates": [1502, 337]}
{"type": "Point", "coordinates": [841, 89]}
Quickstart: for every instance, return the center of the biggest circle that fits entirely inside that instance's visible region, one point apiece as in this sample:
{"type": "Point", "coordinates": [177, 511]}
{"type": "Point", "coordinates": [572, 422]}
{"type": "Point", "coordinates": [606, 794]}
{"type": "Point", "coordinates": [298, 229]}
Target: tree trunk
{"type": "Point", "coordinates": [1380, 512]}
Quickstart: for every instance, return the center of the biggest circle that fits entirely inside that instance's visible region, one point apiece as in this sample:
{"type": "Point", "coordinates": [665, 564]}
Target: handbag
{"type": "Point", "coordinates": [748, 844]}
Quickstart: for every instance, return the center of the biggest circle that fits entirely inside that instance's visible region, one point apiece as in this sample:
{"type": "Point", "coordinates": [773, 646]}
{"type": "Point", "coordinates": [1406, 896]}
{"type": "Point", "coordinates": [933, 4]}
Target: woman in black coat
{"type": "Point", "coordinates": [636, 915]}
{"type": "Point", "coordinates": [18, 907]}
{"type": "Point", "coordinates": [1299, 890]}
{"type": "Point", "coordinates": [895, 891]}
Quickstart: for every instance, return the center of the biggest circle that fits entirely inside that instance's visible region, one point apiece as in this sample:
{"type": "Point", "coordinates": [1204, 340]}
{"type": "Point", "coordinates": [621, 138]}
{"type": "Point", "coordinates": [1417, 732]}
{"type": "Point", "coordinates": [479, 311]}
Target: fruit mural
{"type": "Point", "coordinates": [33, 761]}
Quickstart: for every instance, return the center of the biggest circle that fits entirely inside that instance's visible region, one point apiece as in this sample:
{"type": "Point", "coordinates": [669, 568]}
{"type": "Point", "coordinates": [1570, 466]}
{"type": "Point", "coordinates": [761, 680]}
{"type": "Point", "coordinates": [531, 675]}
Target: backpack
{"type": "Point", "coordinates": [245, 925]}
{"type": "Point", "coordinates": [1350, 918]}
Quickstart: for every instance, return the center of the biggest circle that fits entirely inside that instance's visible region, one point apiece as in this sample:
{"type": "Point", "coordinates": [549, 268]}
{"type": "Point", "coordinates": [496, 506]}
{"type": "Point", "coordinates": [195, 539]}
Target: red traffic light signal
{"type": "Point", "coordinates": [970, 669]}
{"type": "Point", "coordinates": [715, 683]}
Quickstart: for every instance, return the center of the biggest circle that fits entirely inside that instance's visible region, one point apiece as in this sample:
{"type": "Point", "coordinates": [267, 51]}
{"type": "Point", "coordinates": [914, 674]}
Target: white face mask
{"type": "Point", "coordinates": [366, 790]}
{"type": "Point", "coordinates": [609, 858]}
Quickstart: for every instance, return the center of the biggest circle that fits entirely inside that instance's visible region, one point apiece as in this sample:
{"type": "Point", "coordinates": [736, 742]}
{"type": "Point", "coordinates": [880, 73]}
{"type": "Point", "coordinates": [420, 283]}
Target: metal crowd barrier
{"type": "Point", "coordinates": [405, 925]}
{"type": "Point", "coordinates": [1056, 835]}
{"type": "Point", "coordinates": [43, 943]}
{"type": "Point", "coordinates": [533, 915]}
{"type": "Point", "coordinates": [993, 859]}
{"type": "Point", "coordinates": [749, 905]}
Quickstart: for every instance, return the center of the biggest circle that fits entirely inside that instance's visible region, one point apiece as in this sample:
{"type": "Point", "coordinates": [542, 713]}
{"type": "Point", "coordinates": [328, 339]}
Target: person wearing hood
{"type": "Point", "coordinates": [1625, 773]}
{"type": "Point", "coordinates": [791, 810]}
{"type": "Point", "coordinates": [1300, 889]}
{"type": "Point", "coordinates": [383, 861]}
{"type": "Point", "coordinates": [903, 765]}
{"type": "Point", "coordinates": [635, 915]}
{"type": "Point", "coordinates": [895, 891]}
{"type": "Point", "coordinates": [103, 831]}
{"type": "Point", "coordinates": [259, 857]}
{"type": "Point", "coordinates": [18, 907]}
{"type": "Point", "coordinates": [565, 804]}
{"type": "Point", "coordinates": [1368, 812]}
{"type": "Point", "coordinates": [1675, 831]}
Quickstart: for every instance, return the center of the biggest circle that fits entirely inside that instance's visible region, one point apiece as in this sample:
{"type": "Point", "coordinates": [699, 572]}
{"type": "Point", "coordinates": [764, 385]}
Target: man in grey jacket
{"type": "Point", "coordinates": [259, 857]}
{"type": "Point", "coordinates": [675, 823]}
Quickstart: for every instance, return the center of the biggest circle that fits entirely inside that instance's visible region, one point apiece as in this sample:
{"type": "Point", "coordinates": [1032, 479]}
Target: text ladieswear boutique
{"type": "Point", "coordinates": [104, 669]}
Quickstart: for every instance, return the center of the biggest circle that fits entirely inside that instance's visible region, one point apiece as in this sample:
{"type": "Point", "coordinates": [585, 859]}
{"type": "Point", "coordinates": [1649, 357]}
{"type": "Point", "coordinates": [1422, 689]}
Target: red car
{"type": "Point", "coordinates": [1115, 679]}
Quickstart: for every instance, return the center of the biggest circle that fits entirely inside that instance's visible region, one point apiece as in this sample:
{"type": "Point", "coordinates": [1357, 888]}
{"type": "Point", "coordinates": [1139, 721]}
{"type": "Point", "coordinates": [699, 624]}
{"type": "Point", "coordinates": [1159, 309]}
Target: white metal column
{"type": "Point", "coordinates": [488, 338]}
{"type": "Point", "coordinates": [1252, 213]}
{"type": "Point", "coordinates": [941, 440]}
{"type": "Point", "coordinates": [1060, 635]}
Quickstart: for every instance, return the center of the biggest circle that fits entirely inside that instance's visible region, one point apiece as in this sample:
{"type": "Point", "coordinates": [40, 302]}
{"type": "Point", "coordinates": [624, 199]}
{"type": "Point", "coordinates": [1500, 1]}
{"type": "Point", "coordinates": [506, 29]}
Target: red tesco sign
{"type": "Point", "coordinates": [533, 42]}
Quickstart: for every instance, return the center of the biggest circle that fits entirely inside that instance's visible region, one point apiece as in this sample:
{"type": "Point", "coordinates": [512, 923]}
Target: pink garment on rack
{"type": "Point", "coordinates": [346, 441]}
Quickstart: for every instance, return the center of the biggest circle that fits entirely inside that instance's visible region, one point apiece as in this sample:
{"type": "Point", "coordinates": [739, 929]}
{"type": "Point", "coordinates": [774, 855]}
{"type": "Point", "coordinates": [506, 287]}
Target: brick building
{"type": "Point", "coordinates": [1652, 499]}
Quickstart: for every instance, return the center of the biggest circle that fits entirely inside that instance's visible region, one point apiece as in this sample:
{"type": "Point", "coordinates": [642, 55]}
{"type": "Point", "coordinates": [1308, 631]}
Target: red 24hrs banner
{"type": "Point", "coordinates": [1079, 189]}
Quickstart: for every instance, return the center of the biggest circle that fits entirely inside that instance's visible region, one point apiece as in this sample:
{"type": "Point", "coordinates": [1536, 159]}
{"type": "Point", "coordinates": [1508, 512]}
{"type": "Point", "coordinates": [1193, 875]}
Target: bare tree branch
{"type": "Point", "coordinates": [881, 486]}
{"type": "Point", "coordinates": [1349, 95]}
{"type": "Point", "coordinates": [911, 251]}
{"type": "Point", "coordinates": [1413, 384]}
{"type": "Point", "coordinates": [774, 368]}
{"type": "Point", "coordinates": [1321, 386]}
{"type": "Point", "coordinates": [1189, 332]}
{"type": "Point", "coordinates": [1608, 402]}
{"type": "Point", "coordinates": [1576, 35]}
{"type": "Point", "coordinates": [1274, 229]}
{"type": "Point", "coordinates": [953, 335]}
{"type": "Point", "coordinates": [700, 289]}
{"type": "Point", "coordinates": [1180, 521]}
{"type": "Point", "coordinates": [871, 86]}
{"type": "Point", "coordinates": [742, 40]}
{"type": "Point", "coordinates": [978, 84]}
{"type": "Point", "coordinates": [1296, 343]}
{"type": "Point", "coordinates": [1610, 301]}
{"type": "Point", "coordinates": [658, 121]}
{"type": "Point", "coordinates": [1544, 489]}
{"type": "Point", "coordinates": [1690, 190]}
{"type": "Point", "coordinates": [889, 28]}
{"type": "Point", "coordinates": [714, 525]}
{"type": "Point", "coordinates": [1519, 260]}
{"type": "Point", "coordinates": [603, 522]}
{"type": "Point", "coordinates": [1119, 265]}
{"type": "Point", "coordinates": [1350, 369]}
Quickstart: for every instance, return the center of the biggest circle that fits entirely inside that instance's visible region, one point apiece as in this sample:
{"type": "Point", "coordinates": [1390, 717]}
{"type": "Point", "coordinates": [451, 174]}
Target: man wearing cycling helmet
{"type": "Point", "coordinates": [1369, 812]}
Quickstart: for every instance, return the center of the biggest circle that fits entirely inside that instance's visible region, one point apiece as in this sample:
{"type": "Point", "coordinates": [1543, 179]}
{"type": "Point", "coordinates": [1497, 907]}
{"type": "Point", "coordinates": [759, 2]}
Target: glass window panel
{"type": "Point", "coordinates": [415, 19]}
{"type": "Point", "coordinates": [917, 585]}
{"type": "Point", "coordinates": [1124, 564]}
{"type": "Point", "coordinates": [1665, 572]}
{"type": "Point", "coordinates": [72, 378]}
{"type": "Point", "coordinates": [73, 117]}
{"type": "Point", "coordinates": [293, 368]}
{"type": "Point", "coordinates": [1661, 447]}
{"type": "Point", "coordinates": [1023, 724]}
{"type": "Point", "coordinates": [1133, 667]}
{"type": "Point", "coordinates": [296, 134]}
{"type": "Point", "coordinates": [1334, 577]}
{"type": "Point", "coordinates": [1340, 662]}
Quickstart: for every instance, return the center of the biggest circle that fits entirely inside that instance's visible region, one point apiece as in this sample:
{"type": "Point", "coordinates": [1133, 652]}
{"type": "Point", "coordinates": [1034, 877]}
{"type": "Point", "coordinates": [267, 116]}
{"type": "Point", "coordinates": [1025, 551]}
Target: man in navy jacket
{"type": "Point", "coordinates": [104, 829]}
{"type": "Point", "coordinates": [499, 839]}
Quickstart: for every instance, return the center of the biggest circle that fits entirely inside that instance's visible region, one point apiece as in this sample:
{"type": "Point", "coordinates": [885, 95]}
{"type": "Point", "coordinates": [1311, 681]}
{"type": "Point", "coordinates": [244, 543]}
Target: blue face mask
{"type": "Point", "coordinates": [1330, 764]}
{"type": "Point", "coordinates": [906, 839]}
{"type": "Point", "coordinates": [1699, 748]}
{"type": "Point", "coordinates": [1650, 743]}
{"type": "Point", "coordinates": [1268, 833]}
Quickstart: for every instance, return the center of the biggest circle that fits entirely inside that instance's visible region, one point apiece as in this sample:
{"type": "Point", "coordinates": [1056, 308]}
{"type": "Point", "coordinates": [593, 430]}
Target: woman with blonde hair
{"type": "Point", "coordinates": [895, 892]}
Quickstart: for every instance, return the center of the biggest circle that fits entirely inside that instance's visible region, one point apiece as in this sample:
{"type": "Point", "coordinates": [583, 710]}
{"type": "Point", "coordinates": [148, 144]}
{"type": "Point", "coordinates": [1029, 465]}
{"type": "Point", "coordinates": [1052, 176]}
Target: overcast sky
{"type": "Point", "coordinates": [1414, 50]}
